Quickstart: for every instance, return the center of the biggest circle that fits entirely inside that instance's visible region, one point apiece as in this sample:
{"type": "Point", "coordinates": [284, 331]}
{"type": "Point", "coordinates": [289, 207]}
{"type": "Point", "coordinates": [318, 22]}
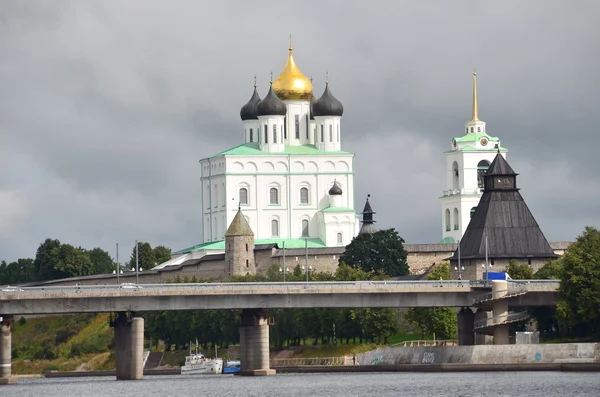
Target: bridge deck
{"type": "Point", "coordinates": [148, 297]}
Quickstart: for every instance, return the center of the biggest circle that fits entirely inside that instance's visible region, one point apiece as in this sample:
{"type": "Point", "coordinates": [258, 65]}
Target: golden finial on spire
{"type": "Point", "coordinates": [271, 77]}
{"type": "Point", "coordinates": [290, 42]}
{"type": "Point", "coordinates": [254, 81]}
{"type": "Point", "coordinates": [475, 115]}
{"type": "Point", "coordinates": [327, 77]}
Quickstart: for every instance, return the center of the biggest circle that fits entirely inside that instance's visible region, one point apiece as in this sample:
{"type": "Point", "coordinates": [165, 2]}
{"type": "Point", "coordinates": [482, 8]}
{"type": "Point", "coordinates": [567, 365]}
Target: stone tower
{"type": "Point", "coordinates": [502, 228]}
{"type": "Point", "coordinates": [239, 248]}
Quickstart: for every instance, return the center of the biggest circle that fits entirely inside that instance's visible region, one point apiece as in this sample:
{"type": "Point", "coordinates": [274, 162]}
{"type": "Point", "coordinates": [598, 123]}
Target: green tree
{"type": "Point", "coordinates": [20, 271]}
{"type": "Point", "coordinates": [440, 321]}
{"type": "Point", "coordinates": [382, 251]}
{"type": "Point", "coordinates": [146, 258]}
{"type": "Point", "coordinates": [54, 260]}
{"type": "Point", "coordinates": [101, 261]}
{"type": "Point", "coordinates": [550, 271]}
{"type": "Point", "coordinates": [579, 296]}
{"type": "Point", "coordinates": [519, 271]}
{"type": "Point", "coordinates": [161, 254]}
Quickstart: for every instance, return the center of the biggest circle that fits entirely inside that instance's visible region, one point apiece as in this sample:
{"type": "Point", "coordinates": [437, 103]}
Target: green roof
{"type": "Point", "coordinates": [474, 149]}
{"type": "Point", "coordinates": [289, 243]}
{"type": "Point", "coordinates": [475, 136]}
{"type": "Point", "coordinates": [338, 209]}
{"type": "Point", "coordinates": [252, 148]}
{"type": "Point", "coordinates": [448, 240]}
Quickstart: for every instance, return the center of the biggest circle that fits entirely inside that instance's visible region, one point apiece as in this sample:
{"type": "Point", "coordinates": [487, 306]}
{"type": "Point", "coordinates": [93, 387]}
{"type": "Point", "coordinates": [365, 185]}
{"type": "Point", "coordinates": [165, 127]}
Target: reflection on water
{"type": "Point", "coordinates": [465, 384]}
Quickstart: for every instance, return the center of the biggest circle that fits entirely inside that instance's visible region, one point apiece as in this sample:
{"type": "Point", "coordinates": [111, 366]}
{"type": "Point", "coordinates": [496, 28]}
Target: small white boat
{"type": "Point", "coordinates": [196, 363]}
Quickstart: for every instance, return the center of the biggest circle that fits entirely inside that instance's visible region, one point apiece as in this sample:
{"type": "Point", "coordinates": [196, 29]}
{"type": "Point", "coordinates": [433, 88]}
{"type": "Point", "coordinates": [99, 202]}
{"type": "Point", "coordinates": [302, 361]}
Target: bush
{"type": "Point", "coordinates": [50, 367]}
{"type": "Point", "coordinates": [22, 321]}
{"type": "Point", "coordinates": [86, 347]}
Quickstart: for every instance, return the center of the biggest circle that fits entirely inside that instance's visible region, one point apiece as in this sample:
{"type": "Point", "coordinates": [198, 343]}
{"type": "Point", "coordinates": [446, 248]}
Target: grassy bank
{"type": "Point", "coordinates": [76, 342]}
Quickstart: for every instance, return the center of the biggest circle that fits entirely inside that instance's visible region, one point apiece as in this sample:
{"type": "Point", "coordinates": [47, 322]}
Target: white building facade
{"type": "Point", "coordinates": [466, 162]}
{"type": "Point", "coordinates": [290, 177]}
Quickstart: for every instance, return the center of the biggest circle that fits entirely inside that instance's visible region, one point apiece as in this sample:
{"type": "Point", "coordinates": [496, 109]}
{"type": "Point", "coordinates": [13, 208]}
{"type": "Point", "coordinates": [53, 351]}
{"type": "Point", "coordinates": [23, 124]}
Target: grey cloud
{"type": "Point", "coordinates": [106, 107]}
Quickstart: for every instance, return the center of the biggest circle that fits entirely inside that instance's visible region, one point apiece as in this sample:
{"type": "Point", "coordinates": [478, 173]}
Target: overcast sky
{"type": "Point", "coordinates": [107, 106]}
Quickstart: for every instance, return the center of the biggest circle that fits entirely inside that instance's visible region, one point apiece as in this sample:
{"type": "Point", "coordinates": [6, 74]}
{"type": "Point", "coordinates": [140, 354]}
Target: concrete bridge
{"type": "Point", "coordinates": [255, 299]}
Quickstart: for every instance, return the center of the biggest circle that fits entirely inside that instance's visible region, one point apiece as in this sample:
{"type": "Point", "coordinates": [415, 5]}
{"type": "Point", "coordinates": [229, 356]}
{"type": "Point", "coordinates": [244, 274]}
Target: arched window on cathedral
{"type": "Point", "coordinates": [455, 180]}
{"type": "Point", "coordinates": [304, 195]}
{"type": "Point", "coordinates": [266, 133]}
{"type": "Point", "coordinates": [297, 125]}
{"type": "Point", "coordinates": [243, 196]}
{"type": "Point", "coordinates": [274, 228]}
{"type": "Point", "coordinates": [478, 129]}
{"type": "Point", "coordinates": [307, 126]}
{"type": "Point", "coordinates": [322, 138]}
{"type": "Point", "coordinates": [216, 190]}
{"type": "Point", "coordinates": [456, 219]}
{"type": "Point", "coordinates": [330, 133]}
{"type": "Point", "coordinates": [482, 168]}
{"type": "Point", "coordinates": [274, 133]}
{"type": "Point", "coordinates": [251, 135]}
{"type": "Point", "coordinates": [273, 196]}
{"type": "Point", "coordinates": [471, 129]}
{"type": "Point", "coordinates": [304, 227]}
{"type": "Point", "coordinates": [340, 239]}
{"type": "Point", "coordinates": [447, 219]}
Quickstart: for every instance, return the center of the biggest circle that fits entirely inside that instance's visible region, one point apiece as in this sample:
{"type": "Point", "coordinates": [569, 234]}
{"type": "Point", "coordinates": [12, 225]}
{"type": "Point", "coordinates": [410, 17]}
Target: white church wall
{"type": "Point", "coordinates": [300, 109]}
{"type": "Point", "coordinates": [258, 174]}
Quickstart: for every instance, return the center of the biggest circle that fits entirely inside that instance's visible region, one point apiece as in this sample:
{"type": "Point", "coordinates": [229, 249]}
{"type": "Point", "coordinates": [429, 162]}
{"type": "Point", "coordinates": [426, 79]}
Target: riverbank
{"type": "Point", "coordinates": [562, 367]}
{"type": "Point", "coordinates": [308, 369]}
{"type": "Point", "coordinates": [79, 374]}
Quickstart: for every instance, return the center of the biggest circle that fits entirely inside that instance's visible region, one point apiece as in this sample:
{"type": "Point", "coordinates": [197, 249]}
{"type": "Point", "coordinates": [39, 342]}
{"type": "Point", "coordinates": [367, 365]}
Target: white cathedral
{"type": "Point", "coordinates": [290, 178]}
{"type": "Point", "coordinates": [466, 162]}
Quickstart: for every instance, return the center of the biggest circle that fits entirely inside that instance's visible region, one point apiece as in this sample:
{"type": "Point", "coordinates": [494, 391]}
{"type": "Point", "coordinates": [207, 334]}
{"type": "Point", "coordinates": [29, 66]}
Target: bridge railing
{"type": "Point", "coordinates": [488, 296]}
{"type": "Point", "coordinates": [502, 319]}
{"type": "Point", "coordinates": [296, 362]}
{"type": "Point", "coordinates": [430, 342]}
{"type": "Point", "coordinates": [295, 285]}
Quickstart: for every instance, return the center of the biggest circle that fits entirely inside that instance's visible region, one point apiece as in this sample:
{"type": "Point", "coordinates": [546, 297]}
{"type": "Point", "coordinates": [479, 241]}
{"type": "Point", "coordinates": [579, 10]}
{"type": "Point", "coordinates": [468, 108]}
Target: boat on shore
{"type": "Point", "coordinates": [197, 363]}
{"type": "Point", "coordinates": [232, 366]}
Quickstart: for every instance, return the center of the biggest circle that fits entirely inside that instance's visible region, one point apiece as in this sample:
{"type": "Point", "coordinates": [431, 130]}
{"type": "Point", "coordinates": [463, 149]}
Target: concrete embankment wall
{"type": "Point", "coordinates": [483, 354]}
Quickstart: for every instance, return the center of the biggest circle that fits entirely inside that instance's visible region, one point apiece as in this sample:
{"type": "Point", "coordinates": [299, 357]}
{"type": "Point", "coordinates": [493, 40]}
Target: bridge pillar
{"type": "Point", "coordinates": [5, 351]}
{"type": "Point", "coordinates": [466, 321]}
{"type": "Point", "coordinates": [500, 308]}
{"type": "Point", "coordinates": [129, 346]}
{"type": "Point", "coordinates": [254, 343]}
{"type": "Point", "coordinates": [482, 339]}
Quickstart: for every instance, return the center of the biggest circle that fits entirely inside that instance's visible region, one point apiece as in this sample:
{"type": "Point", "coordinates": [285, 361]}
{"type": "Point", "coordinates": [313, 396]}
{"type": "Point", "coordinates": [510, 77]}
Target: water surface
{"type": "Point", "coordinates": [460, 384]}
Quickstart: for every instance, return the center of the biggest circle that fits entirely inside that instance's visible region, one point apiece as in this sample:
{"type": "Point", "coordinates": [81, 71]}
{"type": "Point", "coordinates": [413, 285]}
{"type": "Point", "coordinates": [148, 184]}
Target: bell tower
{"type": "Point", "coordinates": [467, 161]}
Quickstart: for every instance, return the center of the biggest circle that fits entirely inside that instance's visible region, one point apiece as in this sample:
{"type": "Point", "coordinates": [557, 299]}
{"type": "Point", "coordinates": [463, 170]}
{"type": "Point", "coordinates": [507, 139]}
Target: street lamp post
{"type": "Point", "coordinates": [118, 267]}
{"type": "Point", "coordinates": [306, 254]}
{"type": "Point", "coordinates": [459, 268]}
{"type": "Point", "coordinates": [137, 269]}
{"type": "Point", "coordinates": [284, 269]}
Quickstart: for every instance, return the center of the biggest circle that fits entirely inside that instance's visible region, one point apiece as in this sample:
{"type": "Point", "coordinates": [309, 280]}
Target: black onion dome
{"type": "Point", "coordinates": [327, 105]}
{"type": "Point", "coordinates": [312, 102]}
{"type": "Point", "coordinates": [335, 190]}
{"type": "Point", "coordinates": [271, 105]}
{"type": "Point", "coordinates": [248, 111]}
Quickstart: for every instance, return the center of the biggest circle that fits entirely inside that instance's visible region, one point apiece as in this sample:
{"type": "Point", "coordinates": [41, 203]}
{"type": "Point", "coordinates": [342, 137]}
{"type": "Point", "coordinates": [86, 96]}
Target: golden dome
{"type": "Point", "coordinates": [292, 84]}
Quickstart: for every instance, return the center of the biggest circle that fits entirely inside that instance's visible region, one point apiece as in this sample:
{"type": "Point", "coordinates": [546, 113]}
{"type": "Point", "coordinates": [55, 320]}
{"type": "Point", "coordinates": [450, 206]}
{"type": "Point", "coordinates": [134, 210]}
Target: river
{"type": "Point", "coordinates": [460, 384]}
